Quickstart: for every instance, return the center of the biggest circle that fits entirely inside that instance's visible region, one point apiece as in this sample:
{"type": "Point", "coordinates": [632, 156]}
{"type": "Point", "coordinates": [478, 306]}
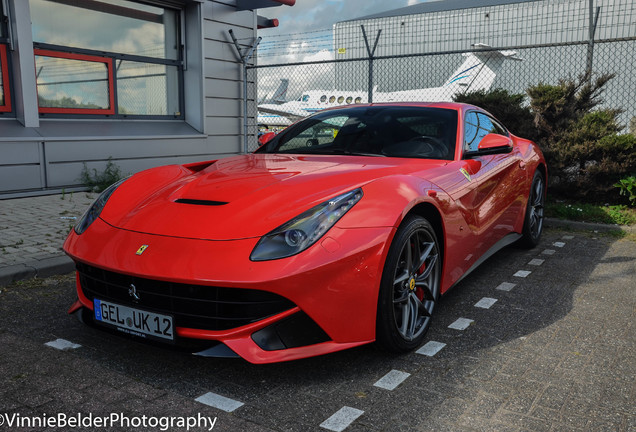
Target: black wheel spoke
{"type": "Point", "coordinates": [404, 296]}
{"type": "Point", "coordinates": [424, 255]}
{"type": "Point", "coordinates": [402, 278]}
{"type": "Point", "coordinates": [430, 266]}
{"type": "Point", "coordinates": [420, 306]}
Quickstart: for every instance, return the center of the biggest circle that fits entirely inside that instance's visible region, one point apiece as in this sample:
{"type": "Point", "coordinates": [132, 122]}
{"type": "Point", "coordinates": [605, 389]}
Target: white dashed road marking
{"type": "Point", "coordinates": [461, 324]}
{"type": "Point", "coordinates": [218, 401]}
{"type": "Point", "coordinates": [391, 380]}
{"type": "Point", "coordinates": [486, 303]}
{"type": "Point", "coordinates": [506, 286]}
{"type": "Point", "coordinates": [536, 262]}
{"type": "Point", "coordinates": [522, 273]}
{"type": "Point", "coordinates": [341, 419]}
{"type": "Point", "coordinates": [558, 244]}
{"type": "Point", "coordinates": [63, 345]}
{"type": "Point", "coordinates": [431, 348]}
{"type": "Point", "coordinates": [548, 252]}
{"type": "Point", "coordinates": [568, 237]}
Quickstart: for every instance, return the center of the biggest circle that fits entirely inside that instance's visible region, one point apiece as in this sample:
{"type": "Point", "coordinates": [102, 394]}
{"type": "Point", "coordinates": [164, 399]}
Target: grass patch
{"type": "Point", "coordinates": [584, 212]}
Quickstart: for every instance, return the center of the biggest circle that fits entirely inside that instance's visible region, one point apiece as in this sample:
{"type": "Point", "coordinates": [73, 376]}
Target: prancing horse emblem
{"type": "Point", "coordinates": [132, 291]}
{"type": "Point", "coordinates": [141, 249]}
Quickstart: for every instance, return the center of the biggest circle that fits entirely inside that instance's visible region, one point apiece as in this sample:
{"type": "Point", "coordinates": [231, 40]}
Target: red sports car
{"type": "Point", "coordinates": [342, 230]}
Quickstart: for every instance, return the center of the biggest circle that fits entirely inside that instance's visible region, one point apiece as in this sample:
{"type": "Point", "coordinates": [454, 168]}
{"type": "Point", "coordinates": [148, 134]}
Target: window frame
{"type": "Point", "coordinates": [6, 82]}
{"type": "Point", "coordinates": [82, 57]}
{"type": "Point", "coordinates": [179, 63]}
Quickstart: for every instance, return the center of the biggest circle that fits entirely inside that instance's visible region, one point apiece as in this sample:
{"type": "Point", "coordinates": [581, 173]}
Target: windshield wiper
{"type": "Point", "coordinates": [350, 153]}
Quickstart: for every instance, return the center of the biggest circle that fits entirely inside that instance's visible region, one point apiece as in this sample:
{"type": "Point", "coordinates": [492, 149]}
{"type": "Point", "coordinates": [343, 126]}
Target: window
{"type": "Point", "coordinates": [5, 92]}
{"type": "Point", "coordinates": [118, 58]}
{"type": "Point", "coordinates": [323, 98]}
{"type": "Point", "coordinates": [74, 83]}
{"type": "Point", "coordinates": [349, 99]}
{"type": "Point", "coordinates": [477, 126]}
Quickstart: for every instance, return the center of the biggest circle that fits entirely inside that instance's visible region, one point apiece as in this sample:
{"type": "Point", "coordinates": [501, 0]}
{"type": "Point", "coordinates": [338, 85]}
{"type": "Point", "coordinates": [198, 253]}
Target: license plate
{"type": "Point", "coordinates": [134, 321]}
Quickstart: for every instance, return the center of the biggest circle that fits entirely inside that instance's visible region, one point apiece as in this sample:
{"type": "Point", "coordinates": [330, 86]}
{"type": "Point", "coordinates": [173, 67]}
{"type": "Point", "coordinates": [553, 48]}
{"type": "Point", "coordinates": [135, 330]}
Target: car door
{"type": "Point", "coordinates": [496, 178]}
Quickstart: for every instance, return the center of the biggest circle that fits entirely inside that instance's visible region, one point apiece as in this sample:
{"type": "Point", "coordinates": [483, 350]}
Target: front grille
{"type": "Point", "coordinates": [192, 306]}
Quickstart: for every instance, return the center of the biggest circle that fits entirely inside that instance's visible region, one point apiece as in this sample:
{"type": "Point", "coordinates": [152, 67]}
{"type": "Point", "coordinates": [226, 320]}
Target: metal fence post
{"type": "Point", "coordinates": [370, 52]}
{"type": "Point", "coordinates": [590, 43]}
{"type": "Point", "coordinates": [245, 57]}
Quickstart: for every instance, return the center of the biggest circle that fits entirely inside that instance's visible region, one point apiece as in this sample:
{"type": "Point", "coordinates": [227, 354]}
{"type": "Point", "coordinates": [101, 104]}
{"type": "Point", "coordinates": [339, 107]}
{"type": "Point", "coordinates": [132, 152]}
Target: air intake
{"type": "Point", "coordinates": [200, 202]}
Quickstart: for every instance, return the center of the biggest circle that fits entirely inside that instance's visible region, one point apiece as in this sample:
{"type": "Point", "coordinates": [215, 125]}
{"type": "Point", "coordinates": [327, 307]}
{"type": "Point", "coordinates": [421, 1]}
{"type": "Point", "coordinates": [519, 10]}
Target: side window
{"type": "Point", "coordinates": [472, 132]}
{"type": "Point", "coordinates": [498, 128]}
{"type": "Point", "coordinates": [477, 126]}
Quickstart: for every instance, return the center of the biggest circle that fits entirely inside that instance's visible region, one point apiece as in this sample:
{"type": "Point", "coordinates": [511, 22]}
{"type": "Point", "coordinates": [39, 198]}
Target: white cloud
{"type": "Point", "coordinates": [309, 15]}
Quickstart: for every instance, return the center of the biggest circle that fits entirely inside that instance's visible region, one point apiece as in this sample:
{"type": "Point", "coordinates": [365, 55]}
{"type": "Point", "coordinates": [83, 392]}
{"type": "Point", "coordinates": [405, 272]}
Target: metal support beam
{"type": "Point", "coordinates": [245, 57]}
{"type": "Point", "coordinates": [590, 44]}
{"type": "Point", "coordinates": [370, 52]}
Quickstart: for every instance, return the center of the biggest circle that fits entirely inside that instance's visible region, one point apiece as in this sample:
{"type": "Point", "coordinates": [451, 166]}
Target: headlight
{"type": "Point", "coordinates": [96, 208]}
{"type": "Point", "coordinates": [303, 231]}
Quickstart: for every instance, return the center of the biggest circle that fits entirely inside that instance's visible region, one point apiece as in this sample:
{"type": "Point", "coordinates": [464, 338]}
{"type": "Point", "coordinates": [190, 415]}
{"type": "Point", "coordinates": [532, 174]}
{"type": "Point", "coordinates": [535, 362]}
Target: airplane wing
{"type": "Point", "coordinates": [291, 114]}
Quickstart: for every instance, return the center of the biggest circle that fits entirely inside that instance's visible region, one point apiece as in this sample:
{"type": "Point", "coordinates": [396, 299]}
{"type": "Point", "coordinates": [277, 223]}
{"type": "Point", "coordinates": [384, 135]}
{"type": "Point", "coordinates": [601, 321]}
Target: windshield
{"type": "Point", "coordinates": [394, 131]}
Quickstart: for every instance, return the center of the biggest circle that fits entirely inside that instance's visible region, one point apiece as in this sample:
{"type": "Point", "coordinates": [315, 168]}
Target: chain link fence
{"type": "Point", "coordinates": [417, 57]}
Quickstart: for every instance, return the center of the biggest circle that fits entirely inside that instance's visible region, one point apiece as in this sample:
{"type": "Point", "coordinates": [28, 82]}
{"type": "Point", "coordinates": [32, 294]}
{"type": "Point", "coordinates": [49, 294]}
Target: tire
{"type": "Point", "coordinates": [409, 288]}
{"type": "Point", "coordinates": [533, 221]}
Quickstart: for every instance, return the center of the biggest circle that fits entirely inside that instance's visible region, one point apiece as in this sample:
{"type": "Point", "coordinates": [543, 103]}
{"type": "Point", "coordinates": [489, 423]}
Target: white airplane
{"type": "Point", "coordinates": [478, 72]}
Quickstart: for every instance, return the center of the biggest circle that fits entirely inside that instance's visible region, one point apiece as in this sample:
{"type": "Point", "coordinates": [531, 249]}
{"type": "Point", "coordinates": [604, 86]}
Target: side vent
{"type": "Point", "coordinates": [200, 202]}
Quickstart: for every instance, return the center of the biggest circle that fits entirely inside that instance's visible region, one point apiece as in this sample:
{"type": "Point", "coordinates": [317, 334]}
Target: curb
{"type": "Point", "coordinates": [587, 226]}
{"type": "Point", "coordinates": [43, 268]}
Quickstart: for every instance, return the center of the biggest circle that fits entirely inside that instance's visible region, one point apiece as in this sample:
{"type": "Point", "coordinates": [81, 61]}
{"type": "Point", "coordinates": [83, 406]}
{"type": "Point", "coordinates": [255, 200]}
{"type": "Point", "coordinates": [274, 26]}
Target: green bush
{"type": "Point", "coordinates": [627, 187]}
{"type": "Point", "coordinates": [508, 108]}
{"type": "Point", "coordinates": [584, 152]}
{"type": "Point", "coordinates": [98, 181]}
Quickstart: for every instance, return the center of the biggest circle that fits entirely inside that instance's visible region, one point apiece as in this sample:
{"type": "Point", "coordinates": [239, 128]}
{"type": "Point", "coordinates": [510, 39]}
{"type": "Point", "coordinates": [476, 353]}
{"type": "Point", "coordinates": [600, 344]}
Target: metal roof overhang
{"type": "Point", "coordinates": [261, 4]}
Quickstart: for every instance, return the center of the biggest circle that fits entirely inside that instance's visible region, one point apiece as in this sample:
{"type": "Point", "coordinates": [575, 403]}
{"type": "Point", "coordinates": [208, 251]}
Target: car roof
{"type": "Point", "coordinates": [457, 106]}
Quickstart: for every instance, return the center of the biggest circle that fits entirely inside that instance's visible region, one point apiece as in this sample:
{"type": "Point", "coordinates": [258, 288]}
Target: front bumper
{"type": "Point", "coordinates": [334, 283]}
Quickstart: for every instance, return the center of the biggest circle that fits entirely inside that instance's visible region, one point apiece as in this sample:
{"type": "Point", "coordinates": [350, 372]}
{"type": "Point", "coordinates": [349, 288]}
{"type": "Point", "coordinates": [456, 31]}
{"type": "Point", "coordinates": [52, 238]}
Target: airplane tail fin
{"type": "Point", "coordinates": [279, 96]}
{"type": "Point", "coordinates": [478, 71]}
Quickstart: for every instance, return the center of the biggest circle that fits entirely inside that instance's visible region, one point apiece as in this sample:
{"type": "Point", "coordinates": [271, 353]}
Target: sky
{"type": "Point", "coordinates": [305, 34]}
{"type": "Point", "coordinates": [311, 15]}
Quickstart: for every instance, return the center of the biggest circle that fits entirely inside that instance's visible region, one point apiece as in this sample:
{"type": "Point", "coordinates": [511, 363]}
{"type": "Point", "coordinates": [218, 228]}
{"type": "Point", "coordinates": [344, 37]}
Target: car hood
{"type": "Point", "coordinates": [243, 196]}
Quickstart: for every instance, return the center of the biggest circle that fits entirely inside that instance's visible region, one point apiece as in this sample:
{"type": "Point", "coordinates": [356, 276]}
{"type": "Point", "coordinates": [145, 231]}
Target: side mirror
{"type": "Point", "coordinates": [266, 137]}
{"type": "Point", "coordinates": [495, 143]}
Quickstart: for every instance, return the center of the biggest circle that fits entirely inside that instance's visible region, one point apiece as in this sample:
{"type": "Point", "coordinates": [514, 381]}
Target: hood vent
{"type": "Point", "coordinates": [200, 202]}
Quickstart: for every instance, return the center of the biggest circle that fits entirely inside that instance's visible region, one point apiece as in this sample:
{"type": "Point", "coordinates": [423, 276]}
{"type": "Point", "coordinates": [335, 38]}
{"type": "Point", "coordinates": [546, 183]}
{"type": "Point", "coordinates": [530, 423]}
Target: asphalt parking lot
{"type": "Point", "coordinates": [548, 345]}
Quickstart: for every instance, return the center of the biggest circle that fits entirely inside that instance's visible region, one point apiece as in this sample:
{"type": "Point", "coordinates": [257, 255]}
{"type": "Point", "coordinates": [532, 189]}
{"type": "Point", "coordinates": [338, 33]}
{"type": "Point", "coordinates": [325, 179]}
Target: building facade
{"type": "Point", "coordinates": [420, 45]}
{"type": "Point", "coordinates": [138, 83]}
